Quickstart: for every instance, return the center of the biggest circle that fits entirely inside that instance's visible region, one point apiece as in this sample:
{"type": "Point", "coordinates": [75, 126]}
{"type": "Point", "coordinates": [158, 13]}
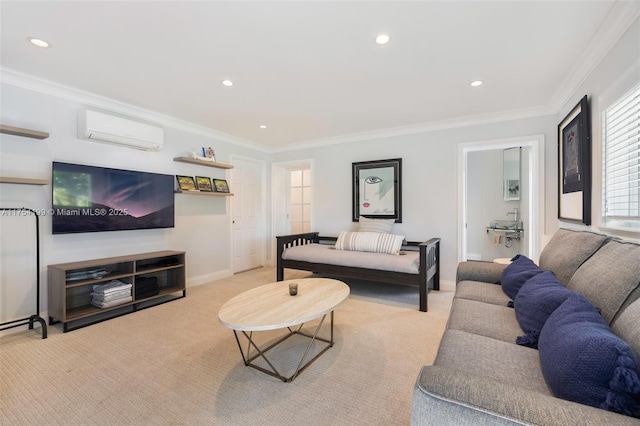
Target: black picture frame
{"type": "Point", "coordinates": [574, 165]}
{"type": "Point", "coordinates": [220, 185]}
{"type": "Point", "coordinates": [204, 184]}
{"type": "Point", "coordinates": [384, 201]}
{"type": "Point", "coordinates": [186, 183]}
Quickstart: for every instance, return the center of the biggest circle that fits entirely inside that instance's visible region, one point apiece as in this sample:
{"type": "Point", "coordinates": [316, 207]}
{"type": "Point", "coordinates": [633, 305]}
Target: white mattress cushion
{"type": "Point", "coordinates": [324, 253]}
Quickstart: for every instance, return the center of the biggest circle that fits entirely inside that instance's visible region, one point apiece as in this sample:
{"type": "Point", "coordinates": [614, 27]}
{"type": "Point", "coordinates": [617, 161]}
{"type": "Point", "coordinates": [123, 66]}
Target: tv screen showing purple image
{"type": "Point", "coordinates": [93, 199]}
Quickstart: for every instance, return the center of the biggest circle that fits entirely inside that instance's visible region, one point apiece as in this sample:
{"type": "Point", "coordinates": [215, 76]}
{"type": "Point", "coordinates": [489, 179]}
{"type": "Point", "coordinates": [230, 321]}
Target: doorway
{"type": "Point", "coordinates": [299, 200]}
{"type": "Point", "coordinates": [483, 244]}
{"type": "Point", "coordinates": [292, 197]}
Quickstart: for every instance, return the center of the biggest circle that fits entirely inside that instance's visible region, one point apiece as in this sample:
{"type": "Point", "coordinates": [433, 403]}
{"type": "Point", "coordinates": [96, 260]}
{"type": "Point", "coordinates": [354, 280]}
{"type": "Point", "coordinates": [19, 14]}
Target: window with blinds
{"type": "Point", "coordinates": [621, 163]}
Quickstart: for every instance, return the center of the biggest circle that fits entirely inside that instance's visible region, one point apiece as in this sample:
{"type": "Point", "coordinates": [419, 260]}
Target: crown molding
{"type": "Point", "coordinates": [469, 121]}
{"type": "Point", "coordinates": [616, 24]}
{"type": "Point", "coordinates": [28, 82]}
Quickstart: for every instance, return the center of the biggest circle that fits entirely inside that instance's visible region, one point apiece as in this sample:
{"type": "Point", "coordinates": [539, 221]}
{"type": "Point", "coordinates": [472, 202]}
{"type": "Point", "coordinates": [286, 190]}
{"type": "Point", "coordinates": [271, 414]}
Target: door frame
{"type": "Point", "coordinates": [262, 205]}
{"type": "Point", "coordinates": [536, 187]}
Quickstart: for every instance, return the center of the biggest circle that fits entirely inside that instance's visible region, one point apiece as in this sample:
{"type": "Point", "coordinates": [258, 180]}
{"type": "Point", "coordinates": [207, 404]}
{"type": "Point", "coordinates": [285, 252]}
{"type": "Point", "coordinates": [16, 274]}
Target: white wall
{"type": "Point", "coordinates": [429, 164]}
{"type": "Point", "coordinates": [621, 59]}
{"type": "Point", "coordinates": [202, 224]}
{"type": "Point", "coordinates": [429, 181]}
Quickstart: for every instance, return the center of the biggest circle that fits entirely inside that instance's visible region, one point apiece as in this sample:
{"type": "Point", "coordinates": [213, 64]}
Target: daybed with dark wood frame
{"type": "Point", "coordinates": [427, 279]}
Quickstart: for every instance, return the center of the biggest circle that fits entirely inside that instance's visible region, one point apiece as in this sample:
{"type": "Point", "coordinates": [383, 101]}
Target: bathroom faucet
{"type": "Point", "coordinates": [514, 213]}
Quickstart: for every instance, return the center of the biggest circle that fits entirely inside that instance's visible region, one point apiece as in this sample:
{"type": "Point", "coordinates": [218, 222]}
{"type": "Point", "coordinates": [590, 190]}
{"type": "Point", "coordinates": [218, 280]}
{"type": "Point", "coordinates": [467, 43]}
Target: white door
{"type": "Point", "coordinates": [247, 222]}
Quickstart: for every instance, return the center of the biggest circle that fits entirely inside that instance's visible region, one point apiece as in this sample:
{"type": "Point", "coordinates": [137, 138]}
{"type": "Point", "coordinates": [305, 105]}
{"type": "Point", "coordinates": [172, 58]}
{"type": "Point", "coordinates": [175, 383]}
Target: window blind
{"type": "Point", "coordinates": [621, 158]}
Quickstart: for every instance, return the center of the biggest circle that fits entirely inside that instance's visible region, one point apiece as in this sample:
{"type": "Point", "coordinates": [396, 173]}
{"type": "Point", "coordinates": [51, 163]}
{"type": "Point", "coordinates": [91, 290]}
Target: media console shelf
{"type": "Point", "coordinates": [203, 162]}
{"type": "Point", "coordinates": [155, 277]}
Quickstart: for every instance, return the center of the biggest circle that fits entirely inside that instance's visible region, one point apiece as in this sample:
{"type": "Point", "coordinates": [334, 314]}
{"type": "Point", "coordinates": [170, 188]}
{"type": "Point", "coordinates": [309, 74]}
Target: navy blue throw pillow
{"type": "Point", "coordinates": [584, 362]}
{"type": "Point", "coordinates": [517, 273]}
{"type": "Point", "coordinates": [537, 299]}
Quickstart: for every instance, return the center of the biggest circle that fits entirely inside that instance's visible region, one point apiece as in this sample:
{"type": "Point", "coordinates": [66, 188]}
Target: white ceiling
{"type": "Point", "coordinates": [310, 70]}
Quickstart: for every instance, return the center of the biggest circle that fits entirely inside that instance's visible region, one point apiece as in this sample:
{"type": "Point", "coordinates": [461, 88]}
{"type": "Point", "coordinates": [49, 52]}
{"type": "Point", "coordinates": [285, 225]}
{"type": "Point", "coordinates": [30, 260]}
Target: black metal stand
{"type": "Point", "coordinates": [36, 317]}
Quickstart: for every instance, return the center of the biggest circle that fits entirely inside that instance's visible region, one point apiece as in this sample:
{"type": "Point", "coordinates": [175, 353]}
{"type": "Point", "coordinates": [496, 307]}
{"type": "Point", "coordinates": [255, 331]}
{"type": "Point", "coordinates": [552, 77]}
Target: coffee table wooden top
{"type": "Point", "coordinates": [270, 306]}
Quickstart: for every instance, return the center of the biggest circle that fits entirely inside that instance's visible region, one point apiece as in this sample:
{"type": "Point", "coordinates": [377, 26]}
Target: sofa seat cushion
{"type": "Point", "coordinates": [584, 362]}
{"type": "Point", "coordinates": [517, 273]}
{"type": "Point", "coordinates": [482, 292]}
{"type": "Point", "coordinates": [610, 278]}
{"type": "Point", "coordinates": [567, 250]}
{"type": "Point", "coordinates": [536, 300]}
{"type": "Point", "coordinates": [484, 319]}
{"type": "Point", "coordinates": [492, 358]}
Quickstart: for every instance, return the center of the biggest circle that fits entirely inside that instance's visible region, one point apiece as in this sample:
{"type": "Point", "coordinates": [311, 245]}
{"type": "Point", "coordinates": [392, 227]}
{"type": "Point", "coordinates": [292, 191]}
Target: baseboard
{"type": "Point", "coordinates": [207, 278]}
{"type": "Point", "coordinates": [447, 285]}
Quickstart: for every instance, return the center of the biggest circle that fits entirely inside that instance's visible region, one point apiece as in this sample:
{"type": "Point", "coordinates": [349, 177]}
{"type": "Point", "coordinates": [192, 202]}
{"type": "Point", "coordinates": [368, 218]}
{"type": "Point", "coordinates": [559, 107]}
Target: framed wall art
{"type": "Point", "coordinates": [574, 165]}
{"type": "Point", "coordinates": [186, 183]}
{"type": "Point", "coordinates": [377, 189]}
{"type": "Point", "coordinates": [204, 184]}
{"type": "Point", "coordinates": [220, 185]}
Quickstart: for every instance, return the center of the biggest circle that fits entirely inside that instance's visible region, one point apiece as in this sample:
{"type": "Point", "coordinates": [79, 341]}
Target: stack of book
{"type": "Point", "coordinates": [111, 294]}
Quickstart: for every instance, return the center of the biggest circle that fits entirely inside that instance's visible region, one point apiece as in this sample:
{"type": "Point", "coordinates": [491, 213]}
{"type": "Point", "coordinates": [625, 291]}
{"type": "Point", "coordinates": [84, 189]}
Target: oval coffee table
{"type": "Point", "coordinates": [270, 307]}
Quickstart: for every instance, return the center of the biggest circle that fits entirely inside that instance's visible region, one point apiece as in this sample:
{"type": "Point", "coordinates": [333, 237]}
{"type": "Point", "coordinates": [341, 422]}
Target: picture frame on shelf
{"type": "Point", "coordinates": [207, 153]}
{"type": "Point", "coordinates": [574, 165]}
{"type": "Point", "coordinates": [220, 185]}
{"type": "Point", "coordinates": [186, 183]}
{"type": "Point", "coordinates": [377, 189]}
{"type": "Point", "coordinates": [204, 184]}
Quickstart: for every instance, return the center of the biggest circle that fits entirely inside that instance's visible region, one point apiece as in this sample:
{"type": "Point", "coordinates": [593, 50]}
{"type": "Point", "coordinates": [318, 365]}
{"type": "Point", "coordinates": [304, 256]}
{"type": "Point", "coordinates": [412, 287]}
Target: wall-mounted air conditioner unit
{"type": "Point", "coordinates": [101, 127]}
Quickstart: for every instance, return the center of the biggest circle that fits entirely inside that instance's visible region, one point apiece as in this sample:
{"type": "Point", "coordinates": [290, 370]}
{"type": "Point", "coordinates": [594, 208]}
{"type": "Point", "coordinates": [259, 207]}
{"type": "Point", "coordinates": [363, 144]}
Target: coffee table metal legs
{"type": "Point", "coordinates": [261, 353]}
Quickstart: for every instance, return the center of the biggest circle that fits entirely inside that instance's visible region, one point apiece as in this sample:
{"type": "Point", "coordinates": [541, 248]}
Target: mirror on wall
{"type": "Point", "coordinates": [511, 174]}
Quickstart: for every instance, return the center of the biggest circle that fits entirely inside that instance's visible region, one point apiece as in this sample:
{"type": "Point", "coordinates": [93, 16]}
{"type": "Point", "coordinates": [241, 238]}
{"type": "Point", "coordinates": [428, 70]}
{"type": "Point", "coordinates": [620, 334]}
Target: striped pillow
{"type": "Point", "coordinates": [375, 225]}
{"type": "Point", "coordinates": [375, 242]}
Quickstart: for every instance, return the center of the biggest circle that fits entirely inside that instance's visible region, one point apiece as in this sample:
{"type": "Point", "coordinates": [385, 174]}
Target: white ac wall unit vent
{"type": "Point", "coordinates": [101, 127]}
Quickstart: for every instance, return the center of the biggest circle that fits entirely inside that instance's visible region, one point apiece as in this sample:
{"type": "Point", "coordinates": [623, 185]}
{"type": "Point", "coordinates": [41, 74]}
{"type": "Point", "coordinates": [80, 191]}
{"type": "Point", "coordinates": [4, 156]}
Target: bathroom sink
{"type": "Point", "coordinates": [505, 224]}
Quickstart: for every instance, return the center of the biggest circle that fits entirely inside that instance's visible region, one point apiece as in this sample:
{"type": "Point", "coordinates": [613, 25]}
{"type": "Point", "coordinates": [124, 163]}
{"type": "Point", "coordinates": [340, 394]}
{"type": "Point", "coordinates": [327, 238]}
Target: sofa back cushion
{"type": "Point", "coordinates": [517, 273]}
{"type": "Point", "coordinates": [567, 250]}
{"type": "Point", "coordinates": [584, 362]}
{"type": "Point", "coordinates": [627, 326]}
{"type": "Point", "coordinates": [610, 279]}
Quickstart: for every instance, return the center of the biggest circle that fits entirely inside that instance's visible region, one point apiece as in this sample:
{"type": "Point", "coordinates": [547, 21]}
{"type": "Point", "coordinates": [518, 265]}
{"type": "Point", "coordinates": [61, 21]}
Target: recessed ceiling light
{"type": "Point", "coordinates": [227, 83]}
{"type": "Point", "coordinates": [263, 126]}
{"type": "Point", "coordinates": [476, 83]}
{"type": "Point", "coordinates": [38, 42]}
{"type": "Point", "coordinates": [382, 39]}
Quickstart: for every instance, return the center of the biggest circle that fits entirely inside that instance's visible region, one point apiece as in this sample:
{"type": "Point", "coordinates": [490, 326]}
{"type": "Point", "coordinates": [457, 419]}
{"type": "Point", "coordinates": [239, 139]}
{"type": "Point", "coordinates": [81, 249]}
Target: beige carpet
{"type": "Point", "coordinates": [175, 364]}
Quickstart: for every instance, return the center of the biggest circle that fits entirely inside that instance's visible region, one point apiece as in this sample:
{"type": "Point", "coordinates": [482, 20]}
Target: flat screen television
{"type": "Point", "coordinates": [93, 199]}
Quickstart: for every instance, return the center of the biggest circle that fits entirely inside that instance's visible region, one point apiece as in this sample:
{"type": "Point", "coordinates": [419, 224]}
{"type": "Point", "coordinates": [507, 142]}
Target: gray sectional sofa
{"type": "Point", "coordinates": [482, 377]}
